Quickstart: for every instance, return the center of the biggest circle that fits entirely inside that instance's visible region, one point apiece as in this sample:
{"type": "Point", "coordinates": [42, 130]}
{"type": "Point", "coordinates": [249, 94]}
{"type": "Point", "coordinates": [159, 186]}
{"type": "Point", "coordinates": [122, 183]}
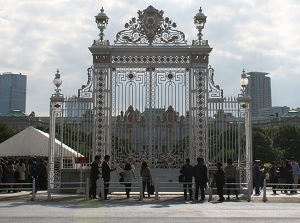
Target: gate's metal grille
{"type": "Point", "coordinates": [149, 115]}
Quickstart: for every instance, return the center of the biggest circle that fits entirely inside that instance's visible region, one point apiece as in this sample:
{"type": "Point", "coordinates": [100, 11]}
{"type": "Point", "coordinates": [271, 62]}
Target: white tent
{"type": "Point", "coordinates": [33, 142]}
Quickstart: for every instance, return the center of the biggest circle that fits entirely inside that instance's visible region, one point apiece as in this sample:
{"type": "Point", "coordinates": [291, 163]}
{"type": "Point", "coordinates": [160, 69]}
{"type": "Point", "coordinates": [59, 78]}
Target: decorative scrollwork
{"type": "Point", "coordinates": [130, 117]}
{"type": "Point", "coordinates": [150, 59]}
{"type": "Point", "coordinates": [86, 90]}
{"type": "Point", "coordinates": [170, 117]}
{"type": "Point", "coordinates": [150, 28]}
{"type": "Point", "coordinates": [214, 90]}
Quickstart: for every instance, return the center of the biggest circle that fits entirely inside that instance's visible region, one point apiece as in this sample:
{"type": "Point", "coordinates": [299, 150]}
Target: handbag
{"type": "Point", "coordinates": [151, 188]}
{"type": "Point", "coordinates": [17, 175]}
{"type": "Point", "coordinates": [121, 179]}
{"type": "Point", "coordinates": [180, 178]}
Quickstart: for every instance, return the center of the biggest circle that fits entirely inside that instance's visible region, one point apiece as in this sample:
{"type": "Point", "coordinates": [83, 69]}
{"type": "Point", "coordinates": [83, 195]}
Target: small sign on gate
{"type": "Point", "coordinates": [81, 160]}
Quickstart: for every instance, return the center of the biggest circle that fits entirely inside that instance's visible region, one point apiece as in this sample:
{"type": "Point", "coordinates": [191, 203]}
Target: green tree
{"type": "Point", "coordinates": [287, 138]}
{"type": "Point", "coordinates": [5, 132]}
{"type": "Point", "coordinates": [263, 147]}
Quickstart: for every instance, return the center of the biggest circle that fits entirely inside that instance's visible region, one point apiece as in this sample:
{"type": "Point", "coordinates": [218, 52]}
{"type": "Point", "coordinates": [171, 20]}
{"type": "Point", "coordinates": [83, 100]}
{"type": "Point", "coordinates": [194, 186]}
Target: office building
{"type": "Point", "coordinates": [12, 92]}
{"type": "Point", "coordinates": [259, 89]}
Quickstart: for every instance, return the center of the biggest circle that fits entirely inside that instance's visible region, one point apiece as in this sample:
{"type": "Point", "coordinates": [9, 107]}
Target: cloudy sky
{"type": "Point", "coordinates": [37, 37]}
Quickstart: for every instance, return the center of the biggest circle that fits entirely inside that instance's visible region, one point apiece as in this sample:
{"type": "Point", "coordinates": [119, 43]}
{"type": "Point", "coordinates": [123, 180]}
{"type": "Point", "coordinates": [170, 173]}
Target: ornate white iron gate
{"type": "Point", "coordinates": [154, 99]}
{"type": "Point", "coordinates": [150, 91]}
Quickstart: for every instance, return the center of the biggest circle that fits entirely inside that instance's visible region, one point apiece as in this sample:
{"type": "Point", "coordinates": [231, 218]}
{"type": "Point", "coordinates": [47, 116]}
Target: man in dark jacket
{"type": "Point", "coordinates": [106, 174]}
{"type": "Point", "coordinates": [94, 176]}
{"type": "Point", "coordinates": [220, 181]}
{"type": "Point", "coordinates": [200, 175]}
{"type": "Point", "coordinates": [187, 173]}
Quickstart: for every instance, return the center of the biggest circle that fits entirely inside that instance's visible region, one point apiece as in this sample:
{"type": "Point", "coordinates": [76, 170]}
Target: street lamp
{"type": "Point", "coordinates": [102, 20]}
{"type": "Point", "coordinates": [57, 82]}
{"type": "Point", "coordinates": [199, 21]}
{"type": "Point", "coordinates": [244, 83]}
{"type": "Point", "coordinates": [56, 102]}
{"type": "Point", "coordinates": [245, 101]}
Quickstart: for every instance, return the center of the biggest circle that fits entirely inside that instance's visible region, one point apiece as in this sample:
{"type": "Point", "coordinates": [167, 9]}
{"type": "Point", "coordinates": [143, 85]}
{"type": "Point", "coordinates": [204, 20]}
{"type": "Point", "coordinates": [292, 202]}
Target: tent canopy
{"type": "Point", "coordinates": [33, 142]}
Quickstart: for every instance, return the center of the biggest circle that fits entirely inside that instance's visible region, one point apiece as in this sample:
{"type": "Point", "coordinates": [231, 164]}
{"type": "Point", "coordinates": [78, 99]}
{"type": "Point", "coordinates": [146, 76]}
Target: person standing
{"type": "Point", "coordinates": [230, 174]}
{"type": "Point", "coordinates": [146, 177]}
{"type": "Point", "coordinates": [220, 181]}
{"type": "Point", "coordinates": [187, 173]}
{"type": "Point", "coordinates": [289, 175]}
{"type": "Point", "coordinates": [42, 175]}
{"type": "Point", "coordinates": [2, 174]}
{"type": "Point", "coordinates": [274, 176]}
{"type": "Point", "coordinates": [94, 176]}
{"type": "Point", "coordinates": [1, 171]}
{"type": "Point", "coordinates": [282, 176]}
{"type": "Point", "coordinates": [296, 174]}
{"type": "Point", "coordinates": [10, 174]}
{"type": "Point", "coordinates": [106, 175]}
{"type": "Point", "coordinates": [21, 168]}
{"type": "Point", "coordinates": [34, 172]}
{"type": "Point", "coordinates": [201, 179]}
{"type": "Point", "coordinates": [128, 175]}
{"type": "Point", "coordinates": [263, 175]}
{"type": "Point", "coordinates": [256, 176]}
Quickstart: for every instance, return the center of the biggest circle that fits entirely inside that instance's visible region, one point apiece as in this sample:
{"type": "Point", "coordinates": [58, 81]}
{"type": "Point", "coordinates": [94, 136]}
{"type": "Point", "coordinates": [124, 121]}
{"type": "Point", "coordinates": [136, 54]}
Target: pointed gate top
{"type": "Point", "coordinates": [150, 28]}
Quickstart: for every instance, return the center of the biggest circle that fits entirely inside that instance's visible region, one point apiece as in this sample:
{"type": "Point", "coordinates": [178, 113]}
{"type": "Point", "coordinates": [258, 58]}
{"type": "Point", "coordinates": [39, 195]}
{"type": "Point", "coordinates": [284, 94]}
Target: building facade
{"type": "Point", "coordinates": [12, 92]}
{"type": "Point", "coordinates": [277, 111]}
{"type": "Point", "coordinates": [259, 89]}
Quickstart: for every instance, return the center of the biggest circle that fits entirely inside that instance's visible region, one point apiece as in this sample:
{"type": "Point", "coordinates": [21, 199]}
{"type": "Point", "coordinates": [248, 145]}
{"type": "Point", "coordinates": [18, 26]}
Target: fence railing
{"type": "Point", "coordinates": [20, 187]}
{"type": "Point", "coordinates": [167, 188]}
{"type": "Point", "coordinates": [161, 188]}
{"type": "Point", "coordinates": [80, 187]}
{"type": "Point", "coordinates": [279, 187]}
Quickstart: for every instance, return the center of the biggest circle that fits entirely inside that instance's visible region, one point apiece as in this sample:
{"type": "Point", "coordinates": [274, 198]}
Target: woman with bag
{"type": "Point", "coordinates": [21, 168]}
{"type": "Point", "coordinates": [146, 177]}
{"type": "Point", "coordinates": [128, 174]}
{"type": "Point", "coordinates": [10, 174]}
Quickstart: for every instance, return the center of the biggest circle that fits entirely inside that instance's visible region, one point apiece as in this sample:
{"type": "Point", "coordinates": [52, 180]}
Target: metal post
{"type": "Point", "coordinates": [265, 191]}
{"type": "Point", "coordinates": [33, 189]}
{"type": "Point", "coordinates": [250, 152]}
{"type": "Point", "coordinates": [210, 190]}
{"type": "Point", "coordinates": [245, 101]}
{"type": "Point", "coordinates": [141, 189]}
{"type": "Point", "coordinates": [50, 152]}
{"type": "Point", "coordinates": [56, 101]}
{"type": "Point", "coordinates": [87, 189]}
{"type": "Point", "coordinates": [80, 175]}
{"type": "Point", "coordinates": [156, 188]}
{"type": "Point", "coordinates": [102, 189]}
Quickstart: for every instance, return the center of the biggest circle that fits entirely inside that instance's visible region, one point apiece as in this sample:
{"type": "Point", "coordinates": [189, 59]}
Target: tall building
{"type": "Point", "coordinates": [12, 92]}
{"type": "Point", "coordinates": [259, 88]}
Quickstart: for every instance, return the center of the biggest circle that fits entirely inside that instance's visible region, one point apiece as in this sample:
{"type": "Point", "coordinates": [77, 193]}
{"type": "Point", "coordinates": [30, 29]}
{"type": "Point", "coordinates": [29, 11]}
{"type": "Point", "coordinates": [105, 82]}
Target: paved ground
{"type": "Point", "coordinates": [18, 208]}
{"type": "Point", "coordinates": [25, 196]}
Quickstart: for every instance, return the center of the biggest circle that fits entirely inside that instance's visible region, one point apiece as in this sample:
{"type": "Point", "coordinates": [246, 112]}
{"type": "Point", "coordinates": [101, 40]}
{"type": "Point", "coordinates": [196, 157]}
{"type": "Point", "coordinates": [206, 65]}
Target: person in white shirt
{"type": "Point", "coordinates": [128, 175]}
{"type": "Point", "coordinates": [296, 174]}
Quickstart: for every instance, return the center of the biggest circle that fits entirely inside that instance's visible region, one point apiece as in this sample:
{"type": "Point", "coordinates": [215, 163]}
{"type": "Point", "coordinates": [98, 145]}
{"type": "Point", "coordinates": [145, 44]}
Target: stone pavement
{"type": "Point", "coordinates": [25, 196]}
